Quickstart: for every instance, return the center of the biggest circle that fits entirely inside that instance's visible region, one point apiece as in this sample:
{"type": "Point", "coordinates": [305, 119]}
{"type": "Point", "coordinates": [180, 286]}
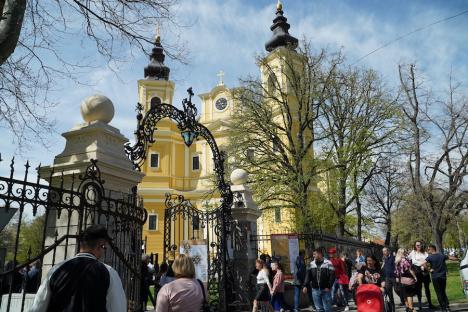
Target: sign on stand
{"type": "Point", "coordinates": [197, 249]}
{"type": "Point", "coordinates": [285, 247]}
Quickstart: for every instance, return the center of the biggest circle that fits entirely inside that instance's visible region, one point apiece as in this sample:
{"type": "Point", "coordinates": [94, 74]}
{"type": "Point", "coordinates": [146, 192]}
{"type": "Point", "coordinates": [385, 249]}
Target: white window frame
{"type": "Point", "coordinates": [157, 221]}
{"type": "Point", "coordinates": [159, 160]}
{"type": "Point", "coordinates": [199, 161]}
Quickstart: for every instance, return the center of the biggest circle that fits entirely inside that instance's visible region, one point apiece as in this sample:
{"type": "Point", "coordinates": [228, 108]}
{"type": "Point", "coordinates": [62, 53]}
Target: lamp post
{"type": "Point", "coordinates": [190, 130]}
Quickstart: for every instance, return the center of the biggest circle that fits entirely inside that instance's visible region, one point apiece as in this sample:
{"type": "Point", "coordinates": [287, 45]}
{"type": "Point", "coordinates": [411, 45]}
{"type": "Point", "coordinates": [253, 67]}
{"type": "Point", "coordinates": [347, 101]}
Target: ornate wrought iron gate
{"type": "Point", "coordinates": [58, 215]}
{"type": "Point", "coordinates": [183, 222]}
{"type": "Point", "coordinates": [218, 222]}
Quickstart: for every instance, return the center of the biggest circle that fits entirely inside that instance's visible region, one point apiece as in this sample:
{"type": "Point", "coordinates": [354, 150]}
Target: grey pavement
{"type": "Point", "coordinates": [455, 307]}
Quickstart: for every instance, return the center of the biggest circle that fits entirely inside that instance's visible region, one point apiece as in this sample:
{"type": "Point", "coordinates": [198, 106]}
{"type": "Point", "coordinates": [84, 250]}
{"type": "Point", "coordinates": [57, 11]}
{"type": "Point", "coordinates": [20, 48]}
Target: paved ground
{"type": "Point", "coordinates": [456, 307]}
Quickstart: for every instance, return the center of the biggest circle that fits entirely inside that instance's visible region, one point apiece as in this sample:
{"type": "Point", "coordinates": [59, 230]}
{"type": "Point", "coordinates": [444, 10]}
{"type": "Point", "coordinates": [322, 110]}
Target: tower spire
{"type": "Point", "coordinates": [156, 69]}
{"type": "Point", "coordinates": [281, 36]}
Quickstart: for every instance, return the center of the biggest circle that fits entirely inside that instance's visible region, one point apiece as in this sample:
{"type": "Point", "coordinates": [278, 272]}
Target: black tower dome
{"type": "Point", "coordinates": [156, 69]}
{"type": "Point", "coordinates": [281, 36]}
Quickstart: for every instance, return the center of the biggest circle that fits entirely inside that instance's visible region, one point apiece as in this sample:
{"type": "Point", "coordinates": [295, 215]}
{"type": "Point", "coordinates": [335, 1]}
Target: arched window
{"type": "Point", "coordinates": [155, 101]}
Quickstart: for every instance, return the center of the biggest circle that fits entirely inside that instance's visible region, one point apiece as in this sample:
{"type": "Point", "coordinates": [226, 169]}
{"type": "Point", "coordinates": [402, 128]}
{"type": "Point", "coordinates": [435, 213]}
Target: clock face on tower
{"type": "Point", "coordinates": [221, 104]}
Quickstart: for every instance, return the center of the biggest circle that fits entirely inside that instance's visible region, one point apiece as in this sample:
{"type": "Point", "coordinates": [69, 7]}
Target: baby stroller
{"type": "Point", "coordinates": [369, 298]}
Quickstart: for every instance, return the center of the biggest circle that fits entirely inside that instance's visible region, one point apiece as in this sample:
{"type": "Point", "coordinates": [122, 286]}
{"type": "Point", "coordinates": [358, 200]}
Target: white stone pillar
{"type": "Point", "coordinates": [245, 213]}
{"type": "Point", "coordinates": [93, 139]}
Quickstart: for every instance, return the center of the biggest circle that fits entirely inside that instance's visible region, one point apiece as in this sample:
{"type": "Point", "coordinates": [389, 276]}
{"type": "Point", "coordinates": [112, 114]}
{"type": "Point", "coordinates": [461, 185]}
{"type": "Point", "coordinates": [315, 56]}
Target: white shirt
{"type": "Point", "coordinates": [418, 258]}
{"type": "Point", "coordinates": [262, 277]}
{"type": "Point", "coordinates": [115, 300]}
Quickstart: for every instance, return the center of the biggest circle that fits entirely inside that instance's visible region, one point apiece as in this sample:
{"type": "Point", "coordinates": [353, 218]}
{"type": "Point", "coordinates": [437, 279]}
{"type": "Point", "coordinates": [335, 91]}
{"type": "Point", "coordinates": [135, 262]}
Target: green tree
{"type": "Point", "coordinates": [272, 132]}
{"type": "Point", "coordinates": [358, 120]}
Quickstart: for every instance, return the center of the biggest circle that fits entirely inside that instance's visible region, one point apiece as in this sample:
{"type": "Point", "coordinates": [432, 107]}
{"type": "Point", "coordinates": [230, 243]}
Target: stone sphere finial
{"type": "Point", "coordinates": [239, 176]}
{"type": "Point", "coordinates": [97, 108]}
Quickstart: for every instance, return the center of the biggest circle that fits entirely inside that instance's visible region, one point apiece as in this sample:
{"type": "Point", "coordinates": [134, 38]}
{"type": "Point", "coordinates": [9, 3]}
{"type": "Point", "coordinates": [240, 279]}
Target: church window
{"type": "Point", "coordinates": [196, 162]}
{"type": "Point", "coordinates": [272, 83]}
{"type": "Point", "coordinates": [277, 215]}
{"type": "Point", "coordinates": [152, 222]}
{"type": "Point", "coordinates": [154, 160]}
{"type": "Point", "coordinates": [154, 102]}
{"type": "Point", "coordinates": [250, 154]}
{"type": "Point", "coordinates": [275, 145]}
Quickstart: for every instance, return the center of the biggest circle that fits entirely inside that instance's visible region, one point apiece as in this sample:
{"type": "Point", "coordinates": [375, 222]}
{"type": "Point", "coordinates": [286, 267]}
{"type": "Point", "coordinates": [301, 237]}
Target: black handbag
{"type": "Point", "coordinates": [205, 305]}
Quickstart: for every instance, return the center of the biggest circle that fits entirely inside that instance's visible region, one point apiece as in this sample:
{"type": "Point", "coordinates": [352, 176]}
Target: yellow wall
{"type": "Point", "coordinates": [175, 174]}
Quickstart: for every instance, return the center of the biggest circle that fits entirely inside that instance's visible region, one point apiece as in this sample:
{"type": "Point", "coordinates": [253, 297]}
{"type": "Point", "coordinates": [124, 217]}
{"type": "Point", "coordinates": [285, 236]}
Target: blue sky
{"type": "Point", "coordinates": [226, 35]}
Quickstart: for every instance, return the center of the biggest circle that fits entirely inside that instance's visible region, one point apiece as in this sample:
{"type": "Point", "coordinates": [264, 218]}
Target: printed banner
{"type": "Point", "coordinates": [197, 250]}
{"type": "Point", "coordinates": [293, 251]}
{"type": "Point", "coordinates": [285, 247]}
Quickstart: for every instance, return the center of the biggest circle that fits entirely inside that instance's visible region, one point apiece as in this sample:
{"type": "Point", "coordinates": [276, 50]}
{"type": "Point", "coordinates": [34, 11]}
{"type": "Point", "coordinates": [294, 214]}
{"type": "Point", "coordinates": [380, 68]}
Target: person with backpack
{"type": "Point", "coordinates": [341, 280]}
{"type": "Point", "coordinates": [299, 278]}
{"type": "Point", "coordinates": [406, 278]}
{"type": "Point", "coordinates": [320, 278]}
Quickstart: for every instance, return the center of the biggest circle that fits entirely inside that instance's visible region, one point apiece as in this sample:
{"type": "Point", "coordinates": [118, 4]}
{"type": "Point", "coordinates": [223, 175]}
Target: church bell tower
{"type": "Point", "coordinates": [156, 87]}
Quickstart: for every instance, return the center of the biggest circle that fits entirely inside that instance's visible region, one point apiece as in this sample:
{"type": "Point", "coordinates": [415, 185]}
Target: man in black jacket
{"type": "Point", "coordinates": [83, 283]}
{"type": "Point", "coordinates": [320, 278]}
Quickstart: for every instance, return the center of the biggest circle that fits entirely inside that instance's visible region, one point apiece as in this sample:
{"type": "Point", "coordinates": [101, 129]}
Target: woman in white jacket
{"type": "Point", "coordinates": [418, 257]}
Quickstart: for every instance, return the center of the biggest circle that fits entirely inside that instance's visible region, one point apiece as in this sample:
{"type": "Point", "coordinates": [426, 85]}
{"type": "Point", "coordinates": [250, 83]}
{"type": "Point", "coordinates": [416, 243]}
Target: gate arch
{"type": "Point", "coordinates": [176, 205]}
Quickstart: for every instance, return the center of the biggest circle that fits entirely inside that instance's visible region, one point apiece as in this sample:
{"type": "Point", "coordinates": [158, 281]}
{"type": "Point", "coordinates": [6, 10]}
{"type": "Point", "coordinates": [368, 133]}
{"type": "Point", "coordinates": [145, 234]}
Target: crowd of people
{"type": "Point", "coordinates": [334, 280]}
{"type": "Point", "coordinates": [27, 279]}
{"type": "Point", "coordinates": [83, 283]}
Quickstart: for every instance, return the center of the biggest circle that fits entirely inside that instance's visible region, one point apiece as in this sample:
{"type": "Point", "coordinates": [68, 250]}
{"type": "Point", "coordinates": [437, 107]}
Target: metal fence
{"type": "Point", "coordinates": [47, 219]}
{"type": "Point", "coordinates": [311, 241]}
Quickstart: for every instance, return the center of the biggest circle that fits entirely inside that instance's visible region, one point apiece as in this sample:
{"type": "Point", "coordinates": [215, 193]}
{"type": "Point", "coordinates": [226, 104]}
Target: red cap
{"type": "Point", "coordinates": [332, 250]}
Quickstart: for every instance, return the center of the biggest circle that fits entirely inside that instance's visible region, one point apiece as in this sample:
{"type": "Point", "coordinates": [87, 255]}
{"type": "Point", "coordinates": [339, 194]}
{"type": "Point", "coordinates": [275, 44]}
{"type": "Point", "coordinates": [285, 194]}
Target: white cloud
{"type": "Point", "coordinates": [226, 35]}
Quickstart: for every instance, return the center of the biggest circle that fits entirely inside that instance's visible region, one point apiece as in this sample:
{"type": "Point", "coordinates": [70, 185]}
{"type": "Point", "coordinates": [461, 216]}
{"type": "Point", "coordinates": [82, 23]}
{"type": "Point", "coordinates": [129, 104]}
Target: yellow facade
{"type": "Point", "coordinates": [174, 172]}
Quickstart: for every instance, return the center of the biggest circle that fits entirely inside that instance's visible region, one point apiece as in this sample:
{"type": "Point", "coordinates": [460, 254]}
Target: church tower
{"type": "Point", "coordinates": [282, 71]}
{"type": "Point", "coordinates": [156, 87]}
{"type": "Point", "coordinates": [282, 52]}
{"type": "Point", "coordinates": [170, 166]}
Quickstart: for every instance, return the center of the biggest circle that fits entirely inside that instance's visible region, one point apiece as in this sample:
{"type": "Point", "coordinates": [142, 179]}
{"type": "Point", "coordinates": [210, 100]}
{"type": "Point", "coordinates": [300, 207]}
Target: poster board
{"type": "Point", "coordinates": [197, 249]}
{"type": "Point", "coordinates": [293, 251]}
{"type": "Point", "coordinates": [285, 246]}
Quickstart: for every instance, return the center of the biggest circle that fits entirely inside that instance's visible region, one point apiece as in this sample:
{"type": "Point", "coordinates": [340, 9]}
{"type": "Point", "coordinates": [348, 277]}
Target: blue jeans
{"type": "Point", "coordinates": [322, 300]}
{"type": "Point", "coordinates": [343, 299]}
{"type": "Point", "coordinates": [277, 301]}
{"type": "Point", "coordinates": [297, 298]}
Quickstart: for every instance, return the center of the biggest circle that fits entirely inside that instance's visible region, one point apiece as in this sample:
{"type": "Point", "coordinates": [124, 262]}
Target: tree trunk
{"type": "Point", "coordinates": [388, 236]}
{"type": "Point", "coordinates": [437, 238]}
{"type": "Point", "coordinates": [341, 213]}
{"type": "Point", "coordinates": [461, 236]}
{"type": "Point", "coordinates": [11, 23]}
{"type": "Point", "coordinates": [359, 218]}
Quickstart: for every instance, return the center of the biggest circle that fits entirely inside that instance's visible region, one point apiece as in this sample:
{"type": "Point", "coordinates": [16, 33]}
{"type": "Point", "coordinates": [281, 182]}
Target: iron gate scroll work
{"type": "Point", "coordinates": [217, 223]}
{"type": "Point", "coordinates": [61, 214]}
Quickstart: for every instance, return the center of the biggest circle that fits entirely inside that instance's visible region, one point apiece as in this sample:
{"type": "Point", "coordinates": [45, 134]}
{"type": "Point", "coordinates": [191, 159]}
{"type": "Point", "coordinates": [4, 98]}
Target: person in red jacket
{"type": "Point", "coordinates": [341, 279]}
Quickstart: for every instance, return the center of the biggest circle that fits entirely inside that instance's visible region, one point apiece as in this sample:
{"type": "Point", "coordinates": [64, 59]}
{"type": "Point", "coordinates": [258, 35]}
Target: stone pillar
{"type": "Point", "coordinates": [94, 139]}
{"type": "Point", "coordinates": [245, 213]}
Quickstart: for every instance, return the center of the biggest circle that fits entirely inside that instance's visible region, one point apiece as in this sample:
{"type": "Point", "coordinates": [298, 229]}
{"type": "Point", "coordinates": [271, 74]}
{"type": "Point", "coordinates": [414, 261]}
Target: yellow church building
{"type": "Point", "coordinates": [171, 166]}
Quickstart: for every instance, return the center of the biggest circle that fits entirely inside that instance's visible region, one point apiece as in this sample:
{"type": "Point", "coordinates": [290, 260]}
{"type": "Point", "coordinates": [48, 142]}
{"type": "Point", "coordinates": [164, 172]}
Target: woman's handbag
{"type": "Point", "coordinates": [205, 306]}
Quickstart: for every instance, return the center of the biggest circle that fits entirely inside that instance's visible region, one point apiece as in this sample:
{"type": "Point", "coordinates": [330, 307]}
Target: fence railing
{"type": "Point", "coordinates": [47, 221]}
